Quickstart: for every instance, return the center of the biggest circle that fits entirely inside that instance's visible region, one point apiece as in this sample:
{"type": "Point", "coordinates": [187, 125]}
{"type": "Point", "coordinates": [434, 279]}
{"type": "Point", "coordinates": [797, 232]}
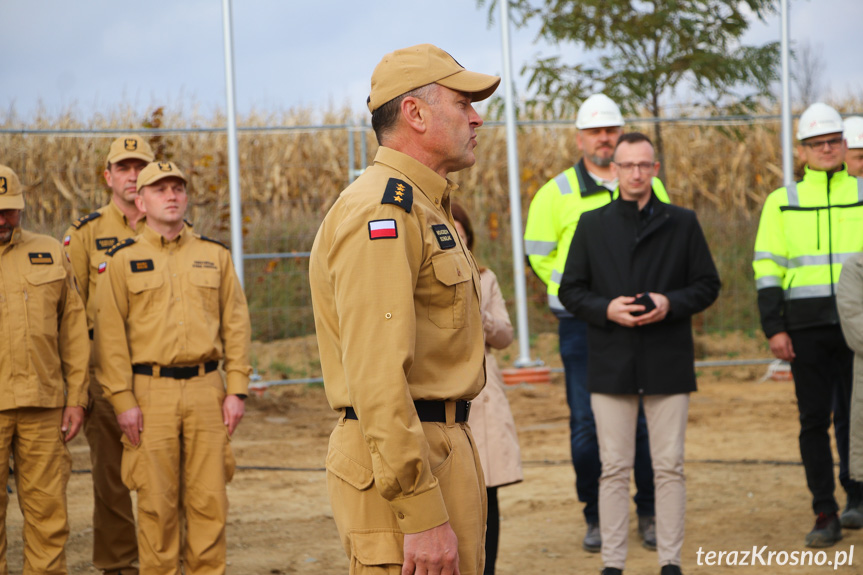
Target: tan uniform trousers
{"type": "Point", "coordinates": [42, 468]}
{"type": "Point", "coordinates": [115, 546]}
{"type": "Point", "coordinates": [184, 445]}
{"type": "Point", "coordinates": [616, 416]}
{"type": "Point", "coordinates": [367, 527]}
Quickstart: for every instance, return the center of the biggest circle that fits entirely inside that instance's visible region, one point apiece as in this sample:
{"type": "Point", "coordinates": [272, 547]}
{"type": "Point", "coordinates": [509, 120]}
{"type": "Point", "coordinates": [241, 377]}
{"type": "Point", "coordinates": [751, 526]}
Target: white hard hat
{"type": "Point", "coordinates": [817, 120]}
{"type": "Point", "coordinates": [598, 111]}
{"type": "Point", "coordinates": [854, 131]}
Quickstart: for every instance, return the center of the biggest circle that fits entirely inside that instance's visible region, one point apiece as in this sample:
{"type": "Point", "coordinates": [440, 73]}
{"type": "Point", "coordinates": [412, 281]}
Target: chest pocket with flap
{"type": "Point", "coordinates": [451, 294]}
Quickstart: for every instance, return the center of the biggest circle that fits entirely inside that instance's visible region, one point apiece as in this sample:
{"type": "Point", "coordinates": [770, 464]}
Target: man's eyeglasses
{"type": "Point", "coordinates": [629, 166]}
{"type": "Point", "coordinates": [832, 143]}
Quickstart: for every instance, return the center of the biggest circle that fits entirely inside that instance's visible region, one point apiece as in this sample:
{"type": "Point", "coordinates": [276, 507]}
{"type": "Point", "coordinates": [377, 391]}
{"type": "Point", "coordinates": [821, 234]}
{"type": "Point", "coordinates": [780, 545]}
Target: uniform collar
{"type": "Point", "coordinates": [435, 188]}
{"type": "Point", "coordinates": [115, 212]}
{"type": "Point", "coordinates": [156, 239]}
{"type": "Point", "coordinates": [15, 239]}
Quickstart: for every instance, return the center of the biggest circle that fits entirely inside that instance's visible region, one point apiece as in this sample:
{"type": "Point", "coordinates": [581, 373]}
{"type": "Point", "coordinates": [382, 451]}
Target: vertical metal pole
{"type": "Point", "coordinates": [787, 158]}
{"type": "Point", "coordinates": [364, 152]}
{"type": "Point", "coordinates": [351, 161]}
{"type": "Point", "coordinates": [233, 158]}
{"type": "Point", "coordinates": [523, 359]}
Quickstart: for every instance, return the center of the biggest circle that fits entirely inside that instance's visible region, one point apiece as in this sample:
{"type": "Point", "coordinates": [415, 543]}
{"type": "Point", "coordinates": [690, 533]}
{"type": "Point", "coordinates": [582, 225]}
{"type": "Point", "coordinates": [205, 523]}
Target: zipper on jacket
{"type": "Point", "coordinates": [830, 235]}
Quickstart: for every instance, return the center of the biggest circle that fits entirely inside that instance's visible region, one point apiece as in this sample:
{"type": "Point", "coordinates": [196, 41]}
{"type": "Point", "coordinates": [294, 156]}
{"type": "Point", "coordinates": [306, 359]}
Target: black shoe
{"type": "Point", "coordinates": [670, 570]}
{"type": "Point", "coordinates": [852, 516]}
{"type": "Point", "coordinates": [647, 532]}
{"type": "Point", "coordinates": [827, 531]}
{"type": "Point", "coordinates": [592, 539]}
{"type": "Point", "coordinates": [611, 571]}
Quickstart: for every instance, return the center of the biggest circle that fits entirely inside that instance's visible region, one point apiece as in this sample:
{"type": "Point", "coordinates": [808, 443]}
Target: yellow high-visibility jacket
{"type": "Point", "coordinates": [807, 231]}
{"type": "Point", "coordinates": [552, 218]}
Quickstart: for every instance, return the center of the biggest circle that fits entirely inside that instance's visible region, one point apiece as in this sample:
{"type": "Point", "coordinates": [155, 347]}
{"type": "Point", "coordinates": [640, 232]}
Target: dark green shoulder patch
{"type": "Point", "coordinates": [400, 193]}
{"type": "Point", "coordinates": [206, 239]}
{"type": "Point", "coordinates": [84, 219]}
{"type": "Point", "coordinates": [119, 246]}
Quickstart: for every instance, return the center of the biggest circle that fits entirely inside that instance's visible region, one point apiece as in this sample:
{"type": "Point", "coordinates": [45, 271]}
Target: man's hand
{"type": "Point", "coordinates": [132, 423]}
{"type": "Point", "coordinates": [73, 418]}
{"type": "Point", "coordinates": [233, 410]}
{"type": "Point", "coordinates": [656, 314]}
{"type": "Point", "coordinates": [620, 311]}
{"type": "Point", "coordinates": [780, 345]}
{"type": "Point", "coordinates": [431, 552]}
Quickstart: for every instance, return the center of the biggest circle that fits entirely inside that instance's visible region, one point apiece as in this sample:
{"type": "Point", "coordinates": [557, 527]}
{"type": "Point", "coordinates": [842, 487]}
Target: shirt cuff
{"type": "Point", "coordinates": [420, 512]}
{"type": "Point", "coordinates": [237, 383]}
{"type": "Point", "coordinates": [123, 401]}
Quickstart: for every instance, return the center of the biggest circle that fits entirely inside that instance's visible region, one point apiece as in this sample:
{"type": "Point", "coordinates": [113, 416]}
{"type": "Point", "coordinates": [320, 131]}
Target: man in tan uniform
{"type": "Point", "coordinates": [396, 302]}
{"type": "Point", "coordinates": [43, 381]}
{"type": "Point", "coordinates": [115, 547]}
{"type": "Point", "coordinates": [168, 307]}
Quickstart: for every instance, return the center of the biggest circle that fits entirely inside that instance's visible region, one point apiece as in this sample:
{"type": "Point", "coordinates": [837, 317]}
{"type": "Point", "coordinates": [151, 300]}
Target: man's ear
{"type": "Point", "coordinates": [139, 203]}
{"type": "Point", "coordinates": [414, 113]}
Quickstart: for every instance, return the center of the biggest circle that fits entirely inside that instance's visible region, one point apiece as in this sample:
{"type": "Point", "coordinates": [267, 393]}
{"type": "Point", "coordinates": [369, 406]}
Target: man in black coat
{"type": "Point", "coordinates": [637, 271]}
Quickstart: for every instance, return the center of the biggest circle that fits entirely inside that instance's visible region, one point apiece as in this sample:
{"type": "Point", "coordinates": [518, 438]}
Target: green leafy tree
{"type": "Point", "coordinates": [645, 50]}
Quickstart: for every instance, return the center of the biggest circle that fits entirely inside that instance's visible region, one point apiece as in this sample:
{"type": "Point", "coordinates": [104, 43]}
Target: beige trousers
{"type": "Point", "coordinates": [184, 446]}
{"type": "Point", "coordinates": [616, 417]}
{"type": "Point", "coordinates": [115, 546]}
{"type": "Point", "coordinates": [367, 527]}
{"type": "Point", "coordinates": [42, 467]}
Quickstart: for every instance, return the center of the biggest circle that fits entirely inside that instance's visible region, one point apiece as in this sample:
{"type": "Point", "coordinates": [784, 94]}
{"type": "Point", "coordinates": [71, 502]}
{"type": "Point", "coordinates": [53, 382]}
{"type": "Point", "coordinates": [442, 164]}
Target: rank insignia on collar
{"type": "Point", "coordinates": [105, 243]}
{"type": "Point", "coordinates": [400, 193]}
{"type": "Point", "coordinates": [40, 258]}
{"type": "Point", "coordinates": [381, 229]}
{"type": "Point", "coordinates": [444, 236]}
{"type": "Point", "coordinates": [141, 266]}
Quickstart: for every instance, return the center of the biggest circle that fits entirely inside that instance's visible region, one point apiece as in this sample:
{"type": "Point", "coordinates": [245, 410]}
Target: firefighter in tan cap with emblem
{"type": "Point", "coordinates": [43, 381]}
{"type": "Point", "coordinates": [396, 302]}
{"type": "Point", "coordinates": [169, 308]}
{"type": "Point", "coordinates": [115, 547]}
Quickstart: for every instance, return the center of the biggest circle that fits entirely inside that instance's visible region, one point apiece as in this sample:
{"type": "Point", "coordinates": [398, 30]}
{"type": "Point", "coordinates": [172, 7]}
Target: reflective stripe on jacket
{"type": "Point", "coordinates": [807, 231]}
{"type": "Point", "coordinates": [551, 220]}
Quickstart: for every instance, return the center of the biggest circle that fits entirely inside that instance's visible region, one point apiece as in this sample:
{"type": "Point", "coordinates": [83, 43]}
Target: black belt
{"type": "Point", "coordinates": [430, 411]}
{"type": "Point", "coordinates": [176, 372]}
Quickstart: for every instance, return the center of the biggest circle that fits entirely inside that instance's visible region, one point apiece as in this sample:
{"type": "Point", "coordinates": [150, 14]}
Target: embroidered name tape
{"type": "Point", "coordinates": [141, 265]}
{"type": "Point", "coordinates": [444, 236]}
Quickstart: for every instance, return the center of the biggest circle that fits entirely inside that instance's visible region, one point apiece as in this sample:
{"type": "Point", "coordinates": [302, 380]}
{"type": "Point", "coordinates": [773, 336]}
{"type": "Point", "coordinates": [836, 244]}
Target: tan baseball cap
{"type": "Point", "coordinates": [130, 146]}
{"type": "Point", "coordinates": [156, 171]}
{"type": "Point", "coordinates": [411, 68]}
{"type": "Point", "coordinates": [11, 194]}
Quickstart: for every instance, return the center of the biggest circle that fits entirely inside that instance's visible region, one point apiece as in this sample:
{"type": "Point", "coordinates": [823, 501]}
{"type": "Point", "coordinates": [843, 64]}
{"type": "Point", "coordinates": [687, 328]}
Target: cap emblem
{"type": "Point", "coordinates": [3, 185]}
{"type": "Point", "coordinates": [165, 166]}
{"type": "Point", "coordinates": [130, 144]}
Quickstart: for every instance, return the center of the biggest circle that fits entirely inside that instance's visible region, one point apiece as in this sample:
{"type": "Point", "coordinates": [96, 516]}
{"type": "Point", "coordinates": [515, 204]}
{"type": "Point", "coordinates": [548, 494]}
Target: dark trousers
{"type": "Point", "coordinates": [823, 375]}
{"type": "Point", "coordinates": [582, 429]}
{"type": "Point", "coordinates": [492, 532]}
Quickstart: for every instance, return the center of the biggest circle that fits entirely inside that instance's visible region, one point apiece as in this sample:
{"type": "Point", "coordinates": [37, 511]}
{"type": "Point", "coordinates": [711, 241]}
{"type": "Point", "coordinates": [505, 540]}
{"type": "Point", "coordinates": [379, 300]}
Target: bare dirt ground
{"type": "Point", "coordinates": [744, 482]}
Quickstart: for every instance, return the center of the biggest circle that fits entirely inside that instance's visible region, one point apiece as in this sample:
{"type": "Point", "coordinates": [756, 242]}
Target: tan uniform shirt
{"type": "Point", "coordinates": [88, 240]}
{"type": "Point", "coordinates": [44, 350]}
{"type": "Point", "coordinates": [174, 303]}
{"type": "Point", "coordinates": [396, 301]}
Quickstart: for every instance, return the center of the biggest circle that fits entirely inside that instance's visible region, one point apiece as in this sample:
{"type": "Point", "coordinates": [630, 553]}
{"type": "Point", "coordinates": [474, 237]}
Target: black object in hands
{"type": "Point", "coordinates": [645, 300]}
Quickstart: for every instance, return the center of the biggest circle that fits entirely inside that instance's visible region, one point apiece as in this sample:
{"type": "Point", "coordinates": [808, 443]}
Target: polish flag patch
{"type": "Point", "coordinates": [103, 266]}
{"type": "Point", "coordinates": [381, 229]}
{"type": "Point", "coordinates": [67, 240]}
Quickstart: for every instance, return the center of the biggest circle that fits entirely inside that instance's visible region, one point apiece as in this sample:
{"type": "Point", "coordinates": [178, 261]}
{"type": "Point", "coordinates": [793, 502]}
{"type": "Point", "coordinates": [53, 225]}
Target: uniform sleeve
{"type": "Point", "coordinates": [113, 357]}
{"type": "Point", "coordinates": [542, 231]}
{"type": "Point", "coordinates": [373, 285]}
{"type": "Point", "coordinates": [849, 300]}
{"type": "Point", "coordinates": [575, 286]}
{"type": "Point", "coordinates": [235, 329]}
{"type": "Point", "coordinates": [79, 256]}
{"type": "Point", "coordinates": [702, 279]}
{"type": "Point", "coordinates": [496, 325]}
{"type": "Point", "coordinates": [74, 342]}
{"type": "Point", "coordinates": [770, 263]}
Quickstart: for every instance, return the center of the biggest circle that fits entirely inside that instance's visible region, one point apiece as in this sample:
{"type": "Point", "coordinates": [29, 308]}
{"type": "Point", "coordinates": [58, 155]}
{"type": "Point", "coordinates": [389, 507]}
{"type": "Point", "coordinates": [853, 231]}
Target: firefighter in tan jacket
{"type": "Point", "coordinates": [43, 381]}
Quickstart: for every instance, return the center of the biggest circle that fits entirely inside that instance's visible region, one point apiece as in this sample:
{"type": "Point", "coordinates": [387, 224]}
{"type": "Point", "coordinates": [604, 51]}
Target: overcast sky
{"type": "Point", "coordinates": [95, 55]}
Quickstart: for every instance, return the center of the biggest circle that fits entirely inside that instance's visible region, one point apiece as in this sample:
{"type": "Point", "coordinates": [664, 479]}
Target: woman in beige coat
{"type": "Point", "coordinates": [490, 415]}
{"type": "Point", "coordinates": [849, 300]}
